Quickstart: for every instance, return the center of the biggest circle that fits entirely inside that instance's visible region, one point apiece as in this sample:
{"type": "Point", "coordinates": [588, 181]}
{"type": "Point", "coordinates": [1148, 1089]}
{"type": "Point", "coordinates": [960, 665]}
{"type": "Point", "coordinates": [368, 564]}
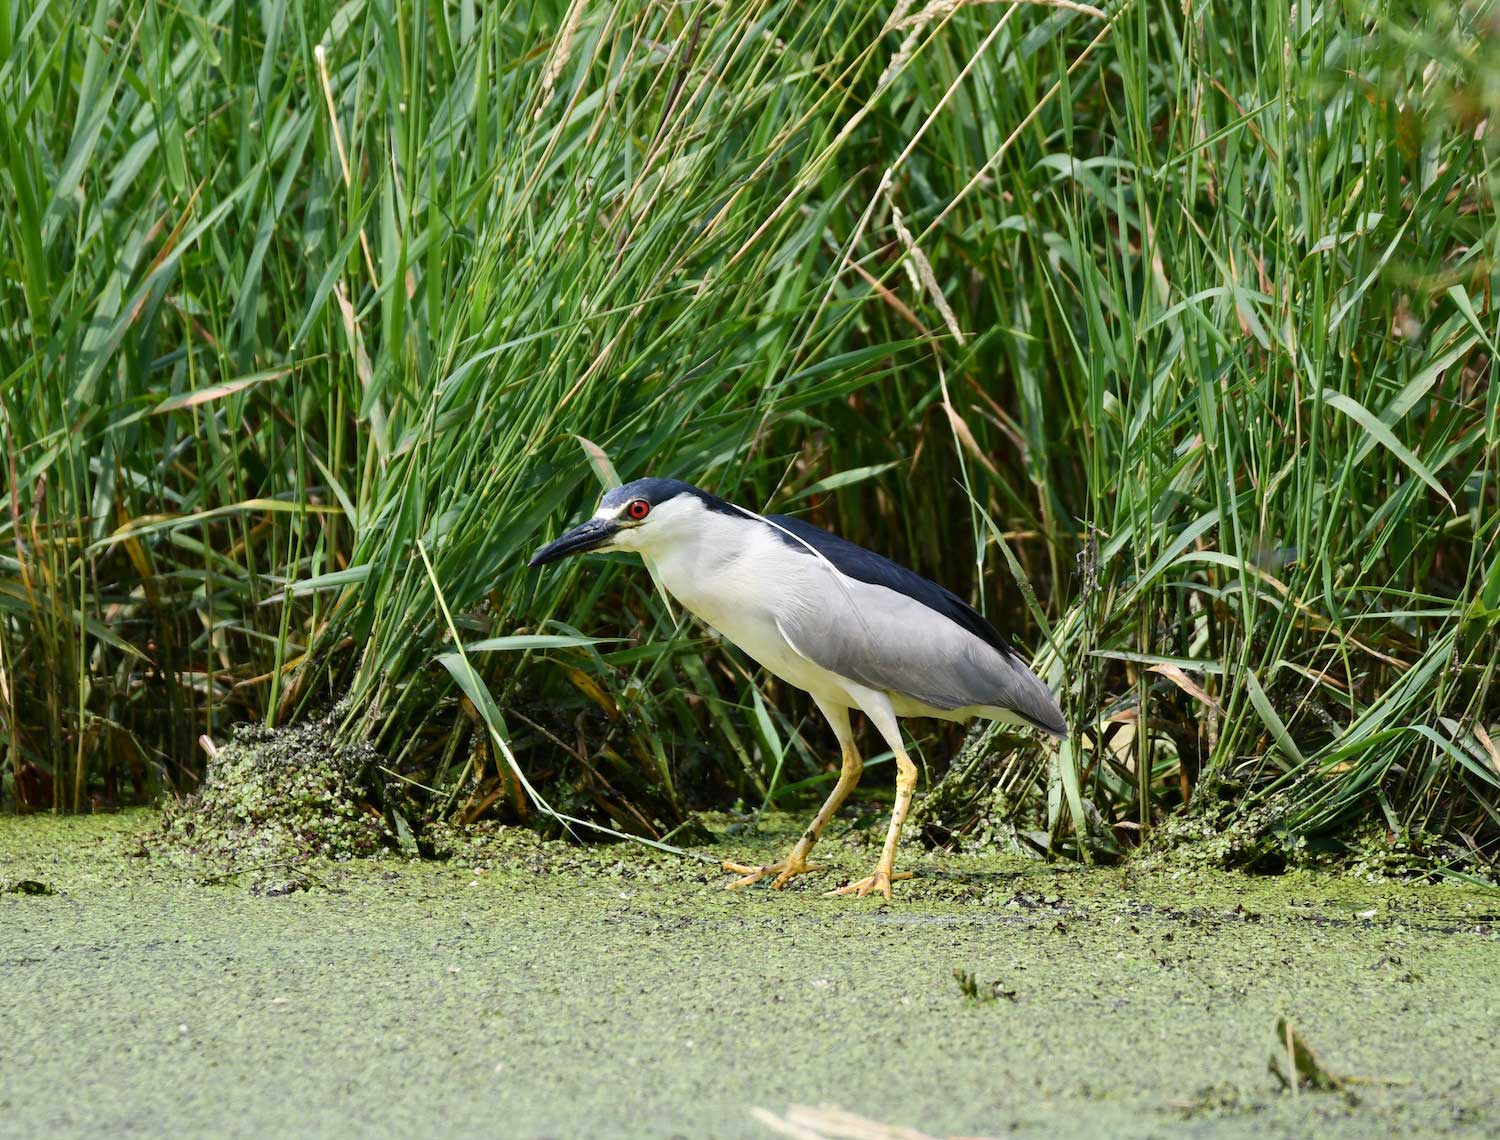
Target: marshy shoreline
{"type": "Point", "coordinates": [551, 990]}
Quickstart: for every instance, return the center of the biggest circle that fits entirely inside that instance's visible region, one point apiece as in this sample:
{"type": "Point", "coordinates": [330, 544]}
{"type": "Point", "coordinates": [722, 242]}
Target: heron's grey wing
{"type": "Point", "coordinates": [884, 639]}
{"type": "Point", "coordinates": [854, 561]}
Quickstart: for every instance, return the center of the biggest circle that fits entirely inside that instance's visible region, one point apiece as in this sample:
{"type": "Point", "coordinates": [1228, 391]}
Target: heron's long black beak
{"type": "Point", "coordinates": [590, 536]}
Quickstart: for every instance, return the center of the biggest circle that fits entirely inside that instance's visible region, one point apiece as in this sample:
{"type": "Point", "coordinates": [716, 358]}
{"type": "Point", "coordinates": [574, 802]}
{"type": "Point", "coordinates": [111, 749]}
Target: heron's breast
{"type": "Point", "coordinates": [739, 596]}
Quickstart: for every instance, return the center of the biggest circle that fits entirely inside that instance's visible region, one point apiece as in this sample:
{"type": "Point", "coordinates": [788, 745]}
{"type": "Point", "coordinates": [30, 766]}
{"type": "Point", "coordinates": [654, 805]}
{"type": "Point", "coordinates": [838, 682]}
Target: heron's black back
{"type": "Point", "coordinates": [866, 566]}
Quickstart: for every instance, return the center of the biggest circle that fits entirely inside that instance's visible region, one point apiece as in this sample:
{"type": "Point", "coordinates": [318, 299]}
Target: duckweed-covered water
{"type": "Point", "coordinates": [548, 991]}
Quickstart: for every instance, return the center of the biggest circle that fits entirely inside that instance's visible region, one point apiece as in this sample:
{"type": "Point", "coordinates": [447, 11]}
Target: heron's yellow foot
{"type": "Point", "coordinates": [880, 881]}
{"type": "Point", "coordinates": [785, 871]}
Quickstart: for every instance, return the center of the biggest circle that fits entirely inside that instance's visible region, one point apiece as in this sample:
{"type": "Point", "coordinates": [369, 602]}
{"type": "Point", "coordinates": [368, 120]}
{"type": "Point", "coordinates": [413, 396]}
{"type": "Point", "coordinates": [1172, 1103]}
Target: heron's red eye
{"type": "Point", "coordinates": [638, 509]}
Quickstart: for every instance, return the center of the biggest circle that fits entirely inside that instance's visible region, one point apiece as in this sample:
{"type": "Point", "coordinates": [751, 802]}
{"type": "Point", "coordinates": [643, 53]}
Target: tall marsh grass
{"type": "Point", "coordinates": [1165, 332]}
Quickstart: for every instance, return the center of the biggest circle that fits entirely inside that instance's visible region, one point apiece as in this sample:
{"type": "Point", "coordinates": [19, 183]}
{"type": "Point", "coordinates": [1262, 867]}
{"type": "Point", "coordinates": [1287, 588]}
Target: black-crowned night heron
{"type": "Point", "coordinates": [854, 629]}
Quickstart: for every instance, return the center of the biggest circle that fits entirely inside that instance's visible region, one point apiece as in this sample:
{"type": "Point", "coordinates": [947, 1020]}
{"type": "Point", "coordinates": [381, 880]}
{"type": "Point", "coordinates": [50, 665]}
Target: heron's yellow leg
{"type": "Point", "coordinates": [885, 868]}
{"type": "Point", "coordinates": [795, 862]}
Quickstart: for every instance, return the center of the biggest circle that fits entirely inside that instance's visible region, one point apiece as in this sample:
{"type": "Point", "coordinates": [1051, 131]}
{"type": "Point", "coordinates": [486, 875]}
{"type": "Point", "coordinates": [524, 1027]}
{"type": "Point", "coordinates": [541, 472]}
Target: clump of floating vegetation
{"type": "Point", "coordinates": [275, 801]}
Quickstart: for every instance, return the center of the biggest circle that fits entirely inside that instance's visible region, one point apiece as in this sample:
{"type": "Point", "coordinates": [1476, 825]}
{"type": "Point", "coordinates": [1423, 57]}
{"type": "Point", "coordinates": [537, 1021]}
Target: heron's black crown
{"type": "Point", "coordinates": [658, 491]}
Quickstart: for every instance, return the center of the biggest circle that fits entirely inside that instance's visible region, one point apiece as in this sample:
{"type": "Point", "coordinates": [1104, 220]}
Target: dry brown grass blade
{"type": "Point", "coordinates": [1489, 747]}
{"type": "Point", "coordinates": [321, 55]}
{"type": "Point", "coordinates": [1189, 686]}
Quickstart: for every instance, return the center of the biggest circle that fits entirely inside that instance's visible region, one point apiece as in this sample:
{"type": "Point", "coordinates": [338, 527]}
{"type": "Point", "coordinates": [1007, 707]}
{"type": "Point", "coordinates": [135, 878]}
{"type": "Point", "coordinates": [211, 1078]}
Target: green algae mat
{"type": "Point", "coordinates": [525, 989]}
